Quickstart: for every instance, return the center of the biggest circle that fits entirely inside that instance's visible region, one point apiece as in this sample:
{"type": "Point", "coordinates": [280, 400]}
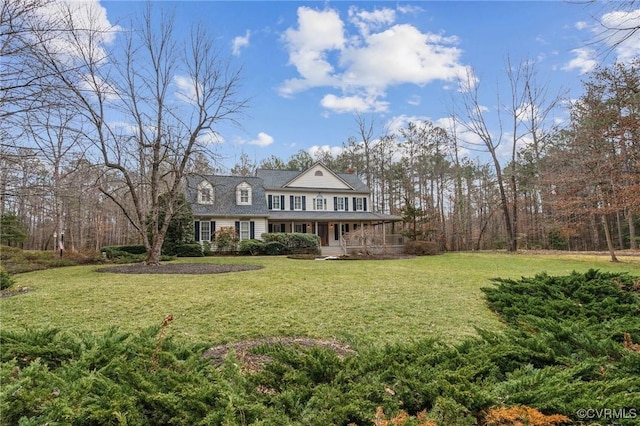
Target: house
{"type": "Point", "coordinates": [316, 200]}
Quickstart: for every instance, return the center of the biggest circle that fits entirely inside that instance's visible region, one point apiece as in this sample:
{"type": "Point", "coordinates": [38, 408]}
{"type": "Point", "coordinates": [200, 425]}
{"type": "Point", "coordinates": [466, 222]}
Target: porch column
{"type": "Point", "coordinates": [293, 228]}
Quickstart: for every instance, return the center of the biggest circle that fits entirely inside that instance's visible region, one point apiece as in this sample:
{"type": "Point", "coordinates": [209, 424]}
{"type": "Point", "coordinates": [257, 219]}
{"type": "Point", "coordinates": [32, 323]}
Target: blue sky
{"type": "Point", "coordinates": [309, 67]}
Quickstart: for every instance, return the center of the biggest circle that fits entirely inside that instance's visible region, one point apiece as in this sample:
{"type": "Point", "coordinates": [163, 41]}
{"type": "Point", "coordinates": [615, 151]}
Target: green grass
{"type": "Point", "coordinates": [359, 302]}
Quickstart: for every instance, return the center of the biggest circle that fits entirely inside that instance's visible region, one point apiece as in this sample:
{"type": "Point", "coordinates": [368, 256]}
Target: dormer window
{"type": "Point", "coordinates": [243, 194]}
{"type": "Point", "coordinates": [205, 193]}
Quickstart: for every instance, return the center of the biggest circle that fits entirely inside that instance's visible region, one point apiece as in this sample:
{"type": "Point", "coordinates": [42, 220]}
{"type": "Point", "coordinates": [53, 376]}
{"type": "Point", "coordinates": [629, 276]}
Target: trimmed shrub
{"type": "Point", "coordinates": [130, 249]}
{"type": "Point", "coordinates": [421, 248]}
{"type": "Point", "coordinates": [275, 248]}
{"type": "Point", "coordinates": [251, 247]}
{"type": "Point", "coordinates": [189, 250]}
{"type": "Point", "coordinates": [296, 242]}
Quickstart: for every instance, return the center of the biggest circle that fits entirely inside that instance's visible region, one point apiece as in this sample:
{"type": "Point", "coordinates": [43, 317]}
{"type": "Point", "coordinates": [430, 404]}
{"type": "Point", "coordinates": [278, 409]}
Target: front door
{"type": "Point", "coordinates": [323, 232]}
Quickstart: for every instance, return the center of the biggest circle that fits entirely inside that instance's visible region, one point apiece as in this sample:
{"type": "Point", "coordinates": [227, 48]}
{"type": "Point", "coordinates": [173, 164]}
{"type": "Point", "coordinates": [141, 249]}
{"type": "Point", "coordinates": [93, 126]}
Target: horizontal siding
{"type": "Point", "coordinates": [260, 224]}
{"type": "Point", "coordinates": [311, 195]}
{"type": "Point", "coordinates": [310, 180]}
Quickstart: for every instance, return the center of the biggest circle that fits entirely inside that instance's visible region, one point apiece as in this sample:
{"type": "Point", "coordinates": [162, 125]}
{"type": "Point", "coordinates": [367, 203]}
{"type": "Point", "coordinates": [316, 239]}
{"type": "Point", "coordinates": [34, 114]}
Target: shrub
{"type": "Point", "coordinates": [275, 248]}
{"type": "Point", "coordinates": [296, 242]}
{"type": "Point", "coordinates": [226, 239]}
{"type": "Point", "coordinates": [6, 280]}
{"type": "Point", "coordinates": [131, 249]}
{"type": "Point", "coordinates": [251, 247]}
{"type": "Point", "coordinates": [189, 250]}
{"type": "Point", "coordinates": [421, 248]}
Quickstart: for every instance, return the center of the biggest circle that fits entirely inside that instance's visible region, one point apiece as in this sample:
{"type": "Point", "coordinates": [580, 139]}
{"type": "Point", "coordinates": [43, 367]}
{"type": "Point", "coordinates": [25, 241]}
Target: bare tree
{"type": "Point", "coordinates": [148, 105]}
{"type": "Point", "coordinates": [473, 120]}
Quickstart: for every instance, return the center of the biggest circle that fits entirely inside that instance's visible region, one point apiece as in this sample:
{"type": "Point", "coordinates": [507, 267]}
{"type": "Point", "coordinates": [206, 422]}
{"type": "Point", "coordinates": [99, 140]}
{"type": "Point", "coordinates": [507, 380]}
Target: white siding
{"type": "Point", "coordinates": [309, 179]}
{"type": "Point", "coordinates": [311, 195]}
{"type": "Point", "coordinates": [260, 224]}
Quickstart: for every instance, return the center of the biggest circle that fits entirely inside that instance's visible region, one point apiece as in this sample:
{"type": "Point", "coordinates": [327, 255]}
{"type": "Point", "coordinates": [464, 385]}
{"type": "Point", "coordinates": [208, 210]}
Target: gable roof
{"type": "Point", "coordinates": [224, 196]}
{"type": "Point", "coordinates": [281, 179]}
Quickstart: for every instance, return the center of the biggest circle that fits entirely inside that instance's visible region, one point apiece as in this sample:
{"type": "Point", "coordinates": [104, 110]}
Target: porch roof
{"type": "Point", "coordinates": [330, 216]}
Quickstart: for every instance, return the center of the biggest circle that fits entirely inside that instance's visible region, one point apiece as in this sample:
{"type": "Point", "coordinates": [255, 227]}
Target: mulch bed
{"type": "Point", "coordinates": [253, 362]}
{"type": "Point", "coordinates": [14, 292]}
{"type": "Point", "coordinates": [178, 268]}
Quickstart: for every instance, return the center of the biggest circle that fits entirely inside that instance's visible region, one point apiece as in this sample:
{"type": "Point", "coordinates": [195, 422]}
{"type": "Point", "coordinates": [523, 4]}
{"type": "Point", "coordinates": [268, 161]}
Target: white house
{"type": "Point", "coordinates": [316, 200]}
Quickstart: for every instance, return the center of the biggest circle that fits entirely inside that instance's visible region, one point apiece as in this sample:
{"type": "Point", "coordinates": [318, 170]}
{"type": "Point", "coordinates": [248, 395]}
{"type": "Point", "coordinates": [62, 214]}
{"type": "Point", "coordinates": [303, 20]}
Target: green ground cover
{"type": "Point", "coordinates": [567, 353]}
{"type": "Point", "coordinates": [362, 303]}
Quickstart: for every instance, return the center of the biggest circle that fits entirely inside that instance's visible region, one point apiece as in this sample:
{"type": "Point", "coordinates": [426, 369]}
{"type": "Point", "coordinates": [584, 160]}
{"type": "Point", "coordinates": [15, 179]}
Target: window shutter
{"type": "Point", "coordinates": [335, 204]}
{"type": "Point", "coordinates": [346, 204]}
{"type": "Point", "coordinates": [270, 228]}
{"type": "Point", "coordinates": [304, 202]}
{"type": "Point", "coordinates": [346, 228]}
{"type": "Point", "coordinates": [290, 202]}
{"type": "Point", "coordinates": [196, 230]}
{"type": "Point", "coordinates": [238, 228]}
{"type": "Point", "coordinates": [213, 230]}
{"type": "Point", "coordinates": [282, 202]}
{"type": "Point", "coordinates": [304, 228]}
{"type": "Point", "coordinates": [354, 204]}
{"type": "Point", "coordinates": [252, 230]}
{"type": "Point", "coordinates": [336, 232]}
{"type": "Point", "coordinates": [364, 203]}
{"type": "Point", "coordinates": [270, 202]}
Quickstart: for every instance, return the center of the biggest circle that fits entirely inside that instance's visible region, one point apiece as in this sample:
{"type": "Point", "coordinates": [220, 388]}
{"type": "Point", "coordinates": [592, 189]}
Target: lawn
{"type": "Point", "coordinates": [364, 302]}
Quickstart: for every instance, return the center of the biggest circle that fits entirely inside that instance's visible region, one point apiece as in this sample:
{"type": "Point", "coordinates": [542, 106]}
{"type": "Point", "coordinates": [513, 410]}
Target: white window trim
{"type": "Point", "coordinates": [359, 207]}
{"type": "Point", "coordinates": [244, 186]}
{"type": "Point", "coordinates": [204, 223]}
{"type": "Point", "coordinates": [202, 186]}
{"type": "Point", "coordinates": [340, 204]}
{"type": "Point", "coordinates": [320, 201]}
{"type": "Point", "coordinates": [275, 202]}
{"type": "Point", "coordinates": [242, 235]}
{"type": "Point", "coordinates": [297, 202]}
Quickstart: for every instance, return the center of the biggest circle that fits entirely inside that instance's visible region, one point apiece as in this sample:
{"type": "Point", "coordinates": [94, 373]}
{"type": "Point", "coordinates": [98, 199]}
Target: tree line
{"type": "Point", "coordinates": [511, 177]}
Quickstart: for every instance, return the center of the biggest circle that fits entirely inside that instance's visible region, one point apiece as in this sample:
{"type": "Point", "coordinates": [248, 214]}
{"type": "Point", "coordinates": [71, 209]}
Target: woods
{"type": "Point", "coordinates": [99, 124]}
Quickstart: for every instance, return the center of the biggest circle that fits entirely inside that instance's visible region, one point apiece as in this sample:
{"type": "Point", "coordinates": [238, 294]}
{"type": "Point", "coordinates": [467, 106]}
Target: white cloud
{"type": "Point", "coordinates": [363, 65]}
{"type": "Point", "coordinates": [620, 33]}
{"type": "Point", "coordinates": [240, 43]}
{"type": "Point", "coordinates": [210, 138]}
{"type": "Point", "coordinates": [93, 31]}
{"type": "Point", "coordinates": [367, 21]}
{"type": "Point", "coordinates": [317, 150]}
{"type": "Point", "coordinates": [584, 60]}
{"type": "Point", "coordinates": [318, 33]}
{"type": "Point", "coordinates": [581, 25]}
{"type": "Point", "coordinates": [262, 140]}
{"type": "Point", "coordinates": [186, 88]}
{"type": "Point", "coordinates": [414, 100]}
{"type": "Point", "coordinates": [346, 104]}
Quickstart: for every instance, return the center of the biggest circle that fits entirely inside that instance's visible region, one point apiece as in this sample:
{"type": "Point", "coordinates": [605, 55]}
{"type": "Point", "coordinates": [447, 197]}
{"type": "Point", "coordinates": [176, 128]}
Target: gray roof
{"type": "Point", "coordinates": [276, 179]}
{"type": "Point", "coordinates": [224, 193]}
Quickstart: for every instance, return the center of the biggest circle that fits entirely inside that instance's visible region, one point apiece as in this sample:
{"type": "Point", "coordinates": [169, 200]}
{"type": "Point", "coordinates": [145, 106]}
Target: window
{"type": "Point", "coordinates": [358, 204]}
{"type": "Point", "coordinates": [318, 173]}
{"type": "Point", "coordinates": [205, 230]}
{"type": "Point", "coordinates": [243, 194]}
{"type": "Point", "coordinates": [297, 202]}
{"type": "Point", "coordinates": [320, 203]}
{"type": "Point", "coordinates": [339, 203]}
{"type": "Point", "coordinates": [205, 193]}
{"type": "Point", "coordinates": [275, 203]}
{"type": "Point", "coordinates": [245, 231]}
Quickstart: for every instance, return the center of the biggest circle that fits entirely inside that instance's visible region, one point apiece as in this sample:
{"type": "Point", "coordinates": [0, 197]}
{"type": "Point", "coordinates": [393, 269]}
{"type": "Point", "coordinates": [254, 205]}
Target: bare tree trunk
{"type": "Point", "coordinates": [633, 244]}
{"type": "Point", "coordinates": [607, 234]}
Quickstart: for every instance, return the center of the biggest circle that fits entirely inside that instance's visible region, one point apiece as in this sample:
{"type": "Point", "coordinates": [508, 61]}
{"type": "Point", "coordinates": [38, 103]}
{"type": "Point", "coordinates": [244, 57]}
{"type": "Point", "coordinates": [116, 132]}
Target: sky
{"type": "Point", "coordinates": [310, 67]}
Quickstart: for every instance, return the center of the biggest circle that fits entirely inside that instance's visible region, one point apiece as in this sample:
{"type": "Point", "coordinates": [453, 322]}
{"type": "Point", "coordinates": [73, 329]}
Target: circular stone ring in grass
{"type": "Point", "coordinates": [178, 268]}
